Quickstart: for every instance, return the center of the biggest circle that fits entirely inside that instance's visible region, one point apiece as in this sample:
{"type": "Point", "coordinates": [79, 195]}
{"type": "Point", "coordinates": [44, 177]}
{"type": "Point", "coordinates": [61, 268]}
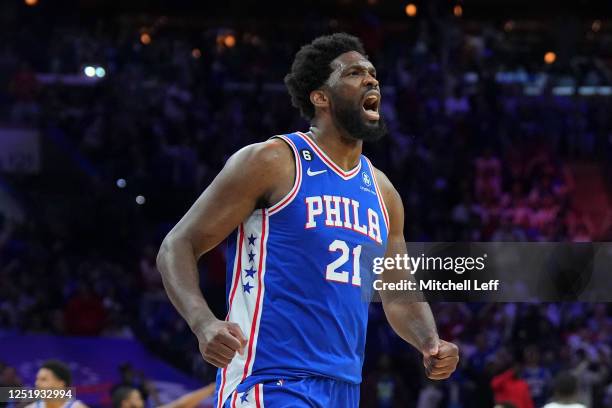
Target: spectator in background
{"type": "Point", "coordinates": [508, 232]}
{"type": "Point", "coordinates": [508, 387]}
{"type": "Point", "coordinates": [55, 374]}
{"type": "Point", "coordinates": [481, 355]}
{"type": "Point", "coordinates": [464, 210]}
{"type": "Point", "coordinates": [386, 386]}
{"type": "Point", "coordinates": [536, 375]}
{"type": "Point", "coordinates": [130, 397]}
{"type": "Point", "coordinates": [488, 181]}
{"type": "Point", "coordinates": [590, 372]}
{"type": "Point", "coordinates": [431, 396]}
{"type": "Point", "coordinates": [9, 377]}
{"type": "Point", "coordinates": [133, 379]}
{"type": "Point", "coordinates": [477, 387]}
{"type": "Point", "coordinates": [84, 314]}
{"type": "Point", "coordinates": [600, 322]}
{"type": "Point", "coordinates": [125, 396]}
{"type": "Point", "coordinates": [457, 104]}
{"type": "Point", "coordinates": [565, 388]}
{"type": "Point", "coordinates": [607, 397]}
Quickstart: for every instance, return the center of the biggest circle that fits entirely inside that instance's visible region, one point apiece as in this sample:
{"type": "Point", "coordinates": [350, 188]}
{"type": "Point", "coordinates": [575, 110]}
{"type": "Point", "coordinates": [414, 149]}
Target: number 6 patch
{"type": "Point", "coordinates": [306, 154]}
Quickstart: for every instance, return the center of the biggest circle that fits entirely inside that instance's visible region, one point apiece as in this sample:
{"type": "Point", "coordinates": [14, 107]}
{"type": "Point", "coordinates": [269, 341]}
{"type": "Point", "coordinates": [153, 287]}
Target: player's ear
{"type": "Point", "coordinates": [319, 99]}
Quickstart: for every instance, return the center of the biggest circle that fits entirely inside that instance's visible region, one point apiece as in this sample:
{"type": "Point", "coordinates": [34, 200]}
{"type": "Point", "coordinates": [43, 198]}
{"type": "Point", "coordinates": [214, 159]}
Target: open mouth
{"type": "Point", "coordinates": [370, 106]}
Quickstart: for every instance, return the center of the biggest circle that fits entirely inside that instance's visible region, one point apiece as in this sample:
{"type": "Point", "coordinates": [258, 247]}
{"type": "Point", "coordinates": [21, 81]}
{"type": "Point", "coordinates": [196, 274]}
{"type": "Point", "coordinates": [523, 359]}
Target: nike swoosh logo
{"type": "Point", "coordinates": [314, 173]}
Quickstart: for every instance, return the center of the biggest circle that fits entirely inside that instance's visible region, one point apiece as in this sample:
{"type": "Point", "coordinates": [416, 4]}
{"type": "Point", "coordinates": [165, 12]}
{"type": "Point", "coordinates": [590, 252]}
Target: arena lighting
{"type": "Point", "coordinates": [532, 90]}
{"type": "Point", "coordinates": [411, 10]}
{"type": "Point", "coordinates": [89, 71]}
{"type": "Point", "coordinates": [563, 90]}
{"type": "Point", "coordinates": [587, 90]}
{"type": "Point", "coordinates": [470, 77]}
{"type": "Point", "coordinates": [145, 38]}
{"type": "Point", "coordinates": [550, 57]}
{"type": "Point", "coordinates": [121, 183]}
{"type": "Point", "coordinates": [596, 26]}
{"type": "Point", "coordinates": [458, 10]}
{"type": "Point", "coordinates": [140, 200]}
{"type": "Point", "coordinates": [100, 72]}
{"type": "Point", "coordinates": [31, 3]}
{"type": "Point", "coordinates": [196, 53]}
{"type": "Point", "coordinates": [594, 90]}
{"type": "Point", "coordinates": [229, 41]}
{"type": "Point", "coordinates": [604, 90]}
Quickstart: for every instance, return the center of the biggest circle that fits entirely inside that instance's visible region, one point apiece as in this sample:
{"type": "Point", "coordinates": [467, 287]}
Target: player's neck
{"type": "Point", "coordinates": [344, 151]}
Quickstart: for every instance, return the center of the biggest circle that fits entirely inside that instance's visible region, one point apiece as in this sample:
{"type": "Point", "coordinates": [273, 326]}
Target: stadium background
{"type": "Point", "coordinates": [114, 117]}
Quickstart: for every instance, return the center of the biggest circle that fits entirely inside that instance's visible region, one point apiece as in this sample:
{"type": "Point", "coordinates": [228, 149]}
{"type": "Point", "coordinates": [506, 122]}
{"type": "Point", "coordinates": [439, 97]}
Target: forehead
{"type": "Point", "coordinates": [45, 372]}
{"type": "Point", "coordinates": [349, 59]}
{"type": "Point", "coordinates": [135, 395]}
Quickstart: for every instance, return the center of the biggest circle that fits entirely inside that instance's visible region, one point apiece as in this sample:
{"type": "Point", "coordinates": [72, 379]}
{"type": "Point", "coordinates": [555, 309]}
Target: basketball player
{"type": "Point", "coordinates": [300, 208]}
{"type": "Point", "coordinates": [54, 374]}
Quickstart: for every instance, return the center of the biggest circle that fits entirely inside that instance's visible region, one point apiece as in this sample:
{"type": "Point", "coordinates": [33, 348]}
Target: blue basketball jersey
{"type": "Point", "coordinates": [299, 275]}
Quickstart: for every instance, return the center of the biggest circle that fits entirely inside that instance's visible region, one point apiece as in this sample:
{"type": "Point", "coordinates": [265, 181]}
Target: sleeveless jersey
{"type": "Point", "coordinates": [299, 272]}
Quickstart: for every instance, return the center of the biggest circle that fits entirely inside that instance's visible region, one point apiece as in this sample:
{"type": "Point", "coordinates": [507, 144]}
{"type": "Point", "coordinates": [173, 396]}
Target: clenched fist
{"type": "Point", "coordinates": [440, 359]}
{"type": "Point", "coordinates": [219, 341]}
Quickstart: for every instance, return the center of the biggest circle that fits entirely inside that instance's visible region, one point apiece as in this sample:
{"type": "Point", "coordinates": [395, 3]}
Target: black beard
{"type": "Point", "coordinates": [349, 117]}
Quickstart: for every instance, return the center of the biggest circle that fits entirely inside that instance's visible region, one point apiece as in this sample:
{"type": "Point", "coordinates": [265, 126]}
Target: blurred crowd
{"type": "Point", "coordinates": [473, 160]}
{"type": "Point", "coordinates": [500, 344]}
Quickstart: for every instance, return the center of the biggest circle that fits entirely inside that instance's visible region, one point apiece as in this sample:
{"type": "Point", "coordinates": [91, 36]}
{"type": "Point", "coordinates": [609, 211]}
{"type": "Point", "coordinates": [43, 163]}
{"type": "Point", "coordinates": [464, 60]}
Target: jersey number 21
{"type": "Point", "coordinates": [332, 274]}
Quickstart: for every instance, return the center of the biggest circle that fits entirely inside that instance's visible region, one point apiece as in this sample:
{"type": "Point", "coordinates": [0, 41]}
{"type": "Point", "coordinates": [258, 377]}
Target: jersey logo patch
{"type": "Point", "coordinates": [314, 173]}
{"type": "Point", "coordinates": [306, 154]}
{"type": "Point", "coordinates": [366, 179]}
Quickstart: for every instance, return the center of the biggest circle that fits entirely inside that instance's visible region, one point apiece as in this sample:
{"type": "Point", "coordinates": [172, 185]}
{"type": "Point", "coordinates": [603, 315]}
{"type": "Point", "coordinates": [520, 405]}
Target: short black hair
{"type": "Point", "coordinates": [311, 67]}
{"type": "Point", "coordinates": [565, 385]}
{"type": "Point", "coordinates": [60, 370]}
{"type": "Point", "coordinates": [120, 394]}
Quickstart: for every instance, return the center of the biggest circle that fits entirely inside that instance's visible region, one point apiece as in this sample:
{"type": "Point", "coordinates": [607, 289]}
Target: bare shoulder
{"type": "Point", "coordinates": [265, 169]}
{"type": "Point", "coordinates": [262, 163]}
{"type": "Point", "coordinates": [273, 153]}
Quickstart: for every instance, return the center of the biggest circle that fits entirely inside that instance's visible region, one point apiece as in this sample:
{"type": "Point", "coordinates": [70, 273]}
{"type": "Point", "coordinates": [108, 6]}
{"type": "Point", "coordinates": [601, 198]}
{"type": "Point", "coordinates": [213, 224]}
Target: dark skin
{"type": "Point", "coordinates": [258, 176]}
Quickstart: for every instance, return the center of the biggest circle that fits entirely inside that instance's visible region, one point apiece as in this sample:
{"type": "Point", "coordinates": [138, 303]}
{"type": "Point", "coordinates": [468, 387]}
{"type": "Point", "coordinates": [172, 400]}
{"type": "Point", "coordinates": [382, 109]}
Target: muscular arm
{"type": "Point", "coordinates": [412, 320]}
{"type": "Point", "coordinates": [407, 312]}
{"type": "Point", "coordinates": [255, 176]}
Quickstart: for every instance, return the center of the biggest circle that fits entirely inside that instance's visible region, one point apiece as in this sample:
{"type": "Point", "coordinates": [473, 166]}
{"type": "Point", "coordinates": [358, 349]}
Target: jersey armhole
{"type": "Point", "coordinates": [297, 181]}
{"type": "Point", "coordinates": [381, 200]}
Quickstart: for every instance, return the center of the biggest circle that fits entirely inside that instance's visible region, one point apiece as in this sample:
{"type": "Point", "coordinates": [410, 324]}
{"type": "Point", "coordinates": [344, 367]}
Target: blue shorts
{"type": "Point", "coordinates": [307, 392]}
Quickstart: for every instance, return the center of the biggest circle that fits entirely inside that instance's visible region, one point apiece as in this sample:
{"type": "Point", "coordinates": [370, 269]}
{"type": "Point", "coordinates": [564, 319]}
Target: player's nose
{"type": "Point", "coordinates": [371, 81]}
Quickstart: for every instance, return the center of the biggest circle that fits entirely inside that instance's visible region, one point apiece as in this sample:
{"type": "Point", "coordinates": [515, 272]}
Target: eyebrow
{"type": "Point", "coordinates": [361, 67]}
